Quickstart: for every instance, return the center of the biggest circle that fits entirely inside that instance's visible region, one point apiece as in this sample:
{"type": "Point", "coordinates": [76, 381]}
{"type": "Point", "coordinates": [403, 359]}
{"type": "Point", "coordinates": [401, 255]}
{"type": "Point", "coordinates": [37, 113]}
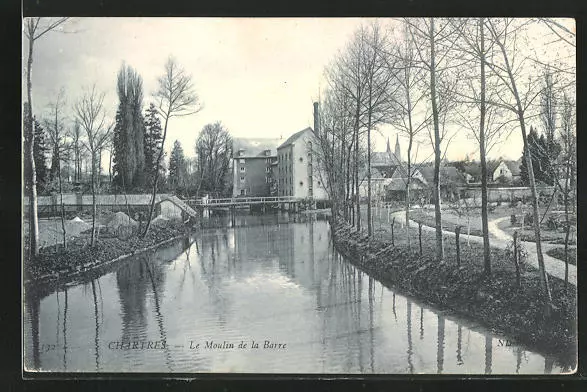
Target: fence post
{"type": "Point", "coordinates": [392, 236]}
{"type": "Point", "coordinates": [458, 243]}
{"type": "Point", "coordinates": [420, 236]}
{"type": "Point", "coordinates": [516, 258]}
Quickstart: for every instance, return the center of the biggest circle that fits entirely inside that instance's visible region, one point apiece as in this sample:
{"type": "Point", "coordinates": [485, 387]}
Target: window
{"type": "Point", "coordinates": [242, 178]}
{"type": "Point", "coordinates": [319, 183]}
{"type": "Point", "coordinates": [267, 152]}
{"type": "Point", "coordinates": [301, 183]}
{"type": "Point", "coordinates": [241, 161]}
{"type": "Point", "coordinates": [301, 159]}
{"type": "Point", "coordinates": [267, 169]}
{"type": "Point", "coordinates": [242, 192]}
{"type": "Point", "coordinates": [242, 169]}
{"type": "Point", "coordinates": [241, 153]}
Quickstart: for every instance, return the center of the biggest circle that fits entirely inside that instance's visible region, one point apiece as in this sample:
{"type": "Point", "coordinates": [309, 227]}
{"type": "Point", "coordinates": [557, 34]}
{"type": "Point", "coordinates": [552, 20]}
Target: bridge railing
{"type": "Point", "coordinates": [242, 200]}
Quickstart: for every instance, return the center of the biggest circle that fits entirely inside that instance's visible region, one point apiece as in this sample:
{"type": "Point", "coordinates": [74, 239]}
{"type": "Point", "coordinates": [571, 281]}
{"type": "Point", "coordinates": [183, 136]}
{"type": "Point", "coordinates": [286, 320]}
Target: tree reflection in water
{"type": "Point", "coordinates": [344, 332]}
{"type": "Point", "coordinates": [488, 353]}
{"type": "Point", "coordinates": [409, 333]}
{"type": "Point", "coordinates": [65, 331]}
{"type": "Point", "coordinates": [440, 345]}
{"type": "Point", "coordinates": [96, 339]}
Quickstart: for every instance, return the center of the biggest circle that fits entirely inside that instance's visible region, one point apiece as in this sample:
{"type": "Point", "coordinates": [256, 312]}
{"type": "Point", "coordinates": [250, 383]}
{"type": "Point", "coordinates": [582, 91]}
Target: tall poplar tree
{"type": "Point", "coordinates": [129, 131]}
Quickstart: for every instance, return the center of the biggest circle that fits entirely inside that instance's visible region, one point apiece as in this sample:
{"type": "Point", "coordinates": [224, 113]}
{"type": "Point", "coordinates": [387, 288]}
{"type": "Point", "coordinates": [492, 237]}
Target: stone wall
{"type": "Point", "coordinates": [504, 194]}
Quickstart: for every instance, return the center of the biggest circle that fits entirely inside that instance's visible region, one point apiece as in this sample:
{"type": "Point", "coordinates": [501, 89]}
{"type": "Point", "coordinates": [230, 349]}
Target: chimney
{"type": "Point", "coordinates": [316, 119]}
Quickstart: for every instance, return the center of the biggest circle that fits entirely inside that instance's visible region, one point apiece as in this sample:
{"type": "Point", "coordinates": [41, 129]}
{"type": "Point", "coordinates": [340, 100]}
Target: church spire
{"type": "Point", "coordinates": [388, 147]}
{"type": "Point", "coordinates": [397, 149]}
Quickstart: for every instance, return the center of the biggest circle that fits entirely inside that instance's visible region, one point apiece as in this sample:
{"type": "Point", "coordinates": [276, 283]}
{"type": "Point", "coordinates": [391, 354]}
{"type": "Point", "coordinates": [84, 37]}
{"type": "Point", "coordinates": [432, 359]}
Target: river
{"type": "Point", "coordinates": [201, 304]}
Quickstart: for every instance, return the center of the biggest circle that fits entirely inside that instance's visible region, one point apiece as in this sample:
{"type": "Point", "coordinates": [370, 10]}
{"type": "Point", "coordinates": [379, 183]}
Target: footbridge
{"type": "Point", "coordinates": [242, 201]}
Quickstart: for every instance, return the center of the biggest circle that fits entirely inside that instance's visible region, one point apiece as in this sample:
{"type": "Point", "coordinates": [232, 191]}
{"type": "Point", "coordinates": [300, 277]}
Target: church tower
{"type": "Point", "coordinates": [397, 149]}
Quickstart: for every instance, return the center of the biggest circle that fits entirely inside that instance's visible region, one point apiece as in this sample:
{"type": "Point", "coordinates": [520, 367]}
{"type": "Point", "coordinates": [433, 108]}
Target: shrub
{"type": "Point", "coordinates": [529, 219]}
{"type": "Point", "coordinates": [522, 253]}
{"type": "Point", "coordinates": [513, 219]}
{"type": "Point", "coordinates": [552, 222]}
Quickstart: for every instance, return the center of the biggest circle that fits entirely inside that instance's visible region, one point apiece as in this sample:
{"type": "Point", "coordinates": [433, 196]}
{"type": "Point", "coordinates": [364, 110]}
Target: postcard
{"type": "Point", "coordinates": [299, 196]}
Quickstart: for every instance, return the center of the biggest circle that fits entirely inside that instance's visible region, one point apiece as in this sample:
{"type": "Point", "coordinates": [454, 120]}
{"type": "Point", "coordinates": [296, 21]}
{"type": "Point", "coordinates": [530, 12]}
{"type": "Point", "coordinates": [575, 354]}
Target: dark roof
{"type": "Point", "coordinates": [294, 137]}
{"type": "Point", "coordinates": [254, 147]}
{"type": "Point", "coordinates": [399, 184]}
{"type": "Point", "coordinates": [448, 174]}
{"type": "Point", "coordinates": [491, 166]}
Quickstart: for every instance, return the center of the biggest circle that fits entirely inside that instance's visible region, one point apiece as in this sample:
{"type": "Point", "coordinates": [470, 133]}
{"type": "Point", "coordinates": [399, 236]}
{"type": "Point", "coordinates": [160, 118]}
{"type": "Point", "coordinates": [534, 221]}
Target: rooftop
{"type": "Point", "coordinates": [294, 137]}
{"type": "Point", "coordinates": [254, 147]}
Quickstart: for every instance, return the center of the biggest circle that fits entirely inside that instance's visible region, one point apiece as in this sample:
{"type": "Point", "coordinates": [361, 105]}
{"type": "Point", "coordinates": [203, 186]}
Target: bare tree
{"type": "Point", "coordinates": [506, 34]}
{"type": "Point", "coordinates": [56, 129]}
{"type": "Point", "coordinates": [412, 115]}
{"type": "Point", "coordinates": [176, 98]}
{"type": "Point", "coordinates": [34, 28]}
{"type": "Point", "coordinates": [433, 40]}
{"type": "Point", "coordinates": [89, 111]}
{"type": "Point", "coordinates": [378, 72]}
{"type": "Point", "coordinates": [568, 165]}
{"type": "Point", "coordinates": [347, 72]}
{"type": "Point", "coordinates": [485, 122]}
{"type": "Point", "coordinates": [214, 152]}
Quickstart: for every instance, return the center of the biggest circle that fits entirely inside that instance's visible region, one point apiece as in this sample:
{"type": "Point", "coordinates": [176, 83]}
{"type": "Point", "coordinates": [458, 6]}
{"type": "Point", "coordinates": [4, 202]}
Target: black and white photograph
{"type": "Point", "coordinates": [299, 195]}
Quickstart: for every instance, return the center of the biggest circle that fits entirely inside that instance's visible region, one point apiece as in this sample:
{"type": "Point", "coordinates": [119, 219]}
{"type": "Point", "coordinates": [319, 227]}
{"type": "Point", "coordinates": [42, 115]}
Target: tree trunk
{"type": "Point", "coordinates": [483, 157]}
{"type": "Point", "coordinates": [357, 188]}
{"type": "Point", "coordinates": [567, 223]}
{"type": "Point", "coordinates": [93, 240]}
{"type": "Point", "coordinates": [369, 217]}
{"type": "Point", "coordinates": [33, 209]}
{"type": "Point", "coordinates": [543, 276]}
{"type": "Point", "coordinates": [437, 152]}
{"type": "Point", "coordinates": [410, 142]}
{"type": "Point", "coordinates": [62, 206]}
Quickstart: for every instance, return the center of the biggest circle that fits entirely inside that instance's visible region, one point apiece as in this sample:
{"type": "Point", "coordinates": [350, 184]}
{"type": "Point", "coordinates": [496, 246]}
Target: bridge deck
{"type": "Point", "coordinates": [242, 201]}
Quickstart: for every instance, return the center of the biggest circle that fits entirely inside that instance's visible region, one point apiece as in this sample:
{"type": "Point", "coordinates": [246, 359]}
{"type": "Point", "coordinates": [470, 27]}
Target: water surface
{"type": "Point", "coordinates": [270, 279]}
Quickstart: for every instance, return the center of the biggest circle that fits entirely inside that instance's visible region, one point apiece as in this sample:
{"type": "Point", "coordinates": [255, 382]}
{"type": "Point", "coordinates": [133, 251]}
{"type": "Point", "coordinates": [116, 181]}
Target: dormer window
{"type": "Point", "coordinates": [241, 152]}
{"type": "Point", "coordinates": [267, 153]}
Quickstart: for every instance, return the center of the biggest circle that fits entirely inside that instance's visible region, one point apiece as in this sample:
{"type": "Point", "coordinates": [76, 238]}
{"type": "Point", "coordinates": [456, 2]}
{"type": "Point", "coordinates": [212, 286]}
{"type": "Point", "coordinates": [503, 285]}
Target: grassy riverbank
{"type": "Point", "coordinates": [499, 304]}
{"type": "Point", "coordinates": [54, 263]}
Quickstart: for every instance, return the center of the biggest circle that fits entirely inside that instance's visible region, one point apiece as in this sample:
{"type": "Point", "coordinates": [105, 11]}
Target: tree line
{"type": "Point", "coordinates": [433, 79]}
{"type": "Point", "coordinates": [134, 140]}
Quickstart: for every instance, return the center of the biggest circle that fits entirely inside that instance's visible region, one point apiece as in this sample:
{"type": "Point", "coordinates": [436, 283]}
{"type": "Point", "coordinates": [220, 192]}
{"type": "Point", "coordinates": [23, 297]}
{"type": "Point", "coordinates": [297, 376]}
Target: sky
{"type": "Point", "coordinates": [258, 76]}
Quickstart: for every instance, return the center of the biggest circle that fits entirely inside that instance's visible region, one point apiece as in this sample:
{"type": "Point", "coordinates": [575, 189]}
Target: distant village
{"type": "Point", "coordinates": [277, 167]}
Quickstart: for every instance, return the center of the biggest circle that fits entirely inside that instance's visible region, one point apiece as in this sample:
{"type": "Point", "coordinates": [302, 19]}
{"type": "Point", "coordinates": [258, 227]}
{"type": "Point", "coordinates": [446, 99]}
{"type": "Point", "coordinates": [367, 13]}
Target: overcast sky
{"type": "Point", "coordinates": [257, 76]}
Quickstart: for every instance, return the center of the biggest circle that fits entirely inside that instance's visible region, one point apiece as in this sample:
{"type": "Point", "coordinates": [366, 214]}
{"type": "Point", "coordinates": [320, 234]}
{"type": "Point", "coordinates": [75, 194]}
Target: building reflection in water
{"type": "Point", "coordinates": [264, 275]}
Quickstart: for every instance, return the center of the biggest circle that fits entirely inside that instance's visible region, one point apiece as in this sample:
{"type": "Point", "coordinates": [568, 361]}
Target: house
{"type": "Point", "coordinates": [508, 171]}
{"type": "Point", "coordinates": [380, 179]}
{"type": "Point", "coordinates": [297, 168]}
{"type": "Point", "coordinates": [451, 180]}
{"type": "Point", "coordinates": [253, 165]}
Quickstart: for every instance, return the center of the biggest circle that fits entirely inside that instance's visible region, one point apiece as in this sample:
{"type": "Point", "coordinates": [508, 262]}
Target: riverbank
{"type": "Point", "coordinates": [53, 264]}
{"type": "Point", "coordinates": [499, 304]}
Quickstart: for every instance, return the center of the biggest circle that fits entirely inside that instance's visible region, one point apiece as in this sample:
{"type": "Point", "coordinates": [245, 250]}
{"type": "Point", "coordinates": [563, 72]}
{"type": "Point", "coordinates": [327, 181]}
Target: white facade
{"type": "Point", "coordinates": [297, 168]}
{"type": "Point", "coordinates": [502, 170]}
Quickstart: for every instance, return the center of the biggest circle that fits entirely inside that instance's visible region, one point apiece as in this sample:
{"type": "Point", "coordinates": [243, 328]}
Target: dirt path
{"type": "Point", "coordinates": [500, 239]}
{"type": "Point", "coordinates": [553, 266]}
